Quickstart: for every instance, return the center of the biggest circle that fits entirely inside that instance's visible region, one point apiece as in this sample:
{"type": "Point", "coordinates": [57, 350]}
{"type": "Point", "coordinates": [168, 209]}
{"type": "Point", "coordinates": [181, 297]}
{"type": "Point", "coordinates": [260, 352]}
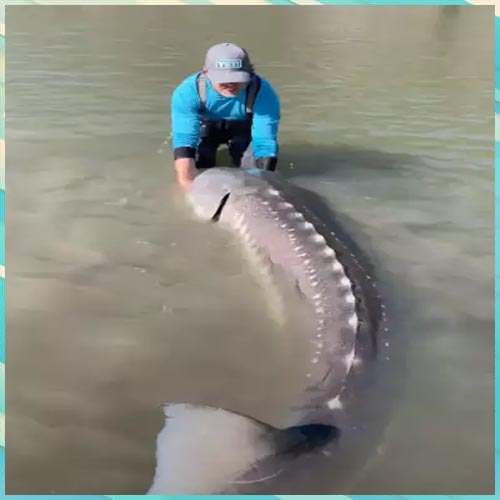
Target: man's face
{"type": "Point", "coordinates": [229, 89]}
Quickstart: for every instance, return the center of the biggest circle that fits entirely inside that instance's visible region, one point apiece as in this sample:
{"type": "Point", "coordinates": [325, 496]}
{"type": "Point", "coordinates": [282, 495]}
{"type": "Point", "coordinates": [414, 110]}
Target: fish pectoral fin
{"type": "Point", "coordinates": [216, 216]}
{"type": "Point", "coordinates": [285, 281]}
{"type": "Point", "coordinates": [299, 290]}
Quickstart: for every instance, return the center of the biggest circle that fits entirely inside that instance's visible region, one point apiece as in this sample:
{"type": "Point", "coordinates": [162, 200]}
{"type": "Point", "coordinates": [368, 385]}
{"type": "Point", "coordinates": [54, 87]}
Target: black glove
{"type": "Point", "coordinates": [266, 163]}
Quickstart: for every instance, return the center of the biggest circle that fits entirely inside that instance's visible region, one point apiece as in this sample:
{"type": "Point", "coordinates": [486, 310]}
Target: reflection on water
{"type": "Point", "coordinates": [118, 301]}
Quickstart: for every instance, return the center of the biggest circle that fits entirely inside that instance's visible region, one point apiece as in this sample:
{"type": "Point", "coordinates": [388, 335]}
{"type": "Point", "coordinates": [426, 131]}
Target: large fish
{"type": "Point", "coordinates": [318, 287]}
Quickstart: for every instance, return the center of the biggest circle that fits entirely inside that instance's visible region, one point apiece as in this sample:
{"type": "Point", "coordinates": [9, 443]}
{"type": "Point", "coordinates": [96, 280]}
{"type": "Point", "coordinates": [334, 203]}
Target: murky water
{"type": "Point", "coordinates": [118, 301]}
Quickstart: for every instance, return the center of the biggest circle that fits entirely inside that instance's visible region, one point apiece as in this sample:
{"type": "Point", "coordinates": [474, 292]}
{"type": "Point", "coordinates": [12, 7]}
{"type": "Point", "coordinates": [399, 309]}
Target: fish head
{"type": "Point", "coordinates": [214, 190]}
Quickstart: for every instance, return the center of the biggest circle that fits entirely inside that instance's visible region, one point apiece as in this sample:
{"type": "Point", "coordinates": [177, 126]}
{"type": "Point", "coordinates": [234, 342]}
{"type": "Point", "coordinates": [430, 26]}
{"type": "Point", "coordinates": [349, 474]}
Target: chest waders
{"type": "Point", "coordinates": [236, 133]}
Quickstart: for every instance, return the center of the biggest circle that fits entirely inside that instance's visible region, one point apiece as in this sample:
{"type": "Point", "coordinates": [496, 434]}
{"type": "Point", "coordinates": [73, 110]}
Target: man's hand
{"type": "Point", "coordinates": [186, 172]}
{"type": "Point", "coordinates": [266, 163]}
{"type": "Point", "coordinates": [185, 184]}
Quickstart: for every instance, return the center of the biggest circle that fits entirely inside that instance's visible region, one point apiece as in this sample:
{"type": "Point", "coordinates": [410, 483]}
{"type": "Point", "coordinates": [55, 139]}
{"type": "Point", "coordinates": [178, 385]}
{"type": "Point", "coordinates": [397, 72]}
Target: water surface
{"type": "Point", "coordinates": [118, 301]}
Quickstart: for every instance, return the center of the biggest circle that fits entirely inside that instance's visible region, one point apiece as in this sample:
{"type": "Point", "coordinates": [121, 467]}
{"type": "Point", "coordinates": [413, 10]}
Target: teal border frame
{"type": "Point", "coordinates": [229, 2]}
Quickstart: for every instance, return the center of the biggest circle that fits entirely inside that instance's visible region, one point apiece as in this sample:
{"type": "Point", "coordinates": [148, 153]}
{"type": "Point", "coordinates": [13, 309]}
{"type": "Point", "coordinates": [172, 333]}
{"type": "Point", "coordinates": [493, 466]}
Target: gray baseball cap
{"type": "Point", "coordinates": [228, 63]}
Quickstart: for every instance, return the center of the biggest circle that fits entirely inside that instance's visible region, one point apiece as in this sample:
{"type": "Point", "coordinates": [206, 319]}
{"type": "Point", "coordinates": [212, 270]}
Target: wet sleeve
{"type": "Point", "coordinates": [266, 119]}
{"type": "Point", "coordinates": [185, 120]}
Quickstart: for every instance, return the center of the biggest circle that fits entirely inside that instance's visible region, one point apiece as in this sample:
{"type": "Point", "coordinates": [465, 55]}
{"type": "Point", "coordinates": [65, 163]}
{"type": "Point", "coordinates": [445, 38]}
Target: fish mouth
{"type": "Point", "coordinates": [216, 216]}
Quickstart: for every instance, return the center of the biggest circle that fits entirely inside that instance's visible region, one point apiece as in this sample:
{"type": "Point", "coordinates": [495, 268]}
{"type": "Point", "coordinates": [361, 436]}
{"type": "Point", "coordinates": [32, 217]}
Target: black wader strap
{"type": "Point", "coordinates": [252, 91]}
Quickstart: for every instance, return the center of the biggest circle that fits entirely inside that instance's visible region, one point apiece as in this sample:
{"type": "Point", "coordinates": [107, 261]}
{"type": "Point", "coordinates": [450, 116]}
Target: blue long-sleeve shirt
{"type": "Point", "coordinates": [185, 115]}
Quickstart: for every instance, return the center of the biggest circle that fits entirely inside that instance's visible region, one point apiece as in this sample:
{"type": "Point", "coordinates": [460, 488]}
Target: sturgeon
{"type": "Point", "coordinates": [204, 450]}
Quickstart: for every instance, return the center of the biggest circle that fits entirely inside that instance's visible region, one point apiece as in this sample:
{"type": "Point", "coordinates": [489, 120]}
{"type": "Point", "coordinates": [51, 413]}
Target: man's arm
{"type": "Point", "coordinates": [185, 131]}
{"type": "Point", "coordinates": [265, 126]}
{"type": "Point", "coordinates": [186, 172]}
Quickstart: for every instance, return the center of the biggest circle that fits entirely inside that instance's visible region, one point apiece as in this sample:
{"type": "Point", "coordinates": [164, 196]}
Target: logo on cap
{"type": "Point", "coordinates": [229, 64]}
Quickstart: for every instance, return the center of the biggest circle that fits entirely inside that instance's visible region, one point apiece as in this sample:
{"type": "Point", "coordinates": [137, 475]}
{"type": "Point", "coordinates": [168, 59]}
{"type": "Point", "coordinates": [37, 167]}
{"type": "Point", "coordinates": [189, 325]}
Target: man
{"type": "Point", "coordinates": [226, 103]}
